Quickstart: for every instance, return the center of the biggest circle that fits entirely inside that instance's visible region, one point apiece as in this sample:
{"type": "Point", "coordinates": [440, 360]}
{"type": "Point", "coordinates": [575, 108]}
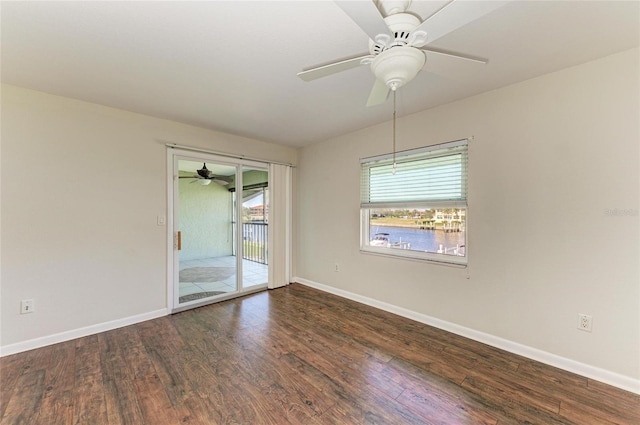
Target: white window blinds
{"type": "Point", "coordinates": [436, 175]}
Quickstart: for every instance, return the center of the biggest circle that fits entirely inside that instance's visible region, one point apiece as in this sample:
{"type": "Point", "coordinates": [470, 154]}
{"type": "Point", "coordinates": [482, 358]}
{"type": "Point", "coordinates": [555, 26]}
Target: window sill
{"type": "Point", "coordinates": [438, 262]}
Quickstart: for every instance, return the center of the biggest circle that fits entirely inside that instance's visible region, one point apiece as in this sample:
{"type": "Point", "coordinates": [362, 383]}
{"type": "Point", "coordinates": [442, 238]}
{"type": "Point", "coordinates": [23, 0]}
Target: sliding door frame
{"type": "Point", "coordinates": [173, 279]}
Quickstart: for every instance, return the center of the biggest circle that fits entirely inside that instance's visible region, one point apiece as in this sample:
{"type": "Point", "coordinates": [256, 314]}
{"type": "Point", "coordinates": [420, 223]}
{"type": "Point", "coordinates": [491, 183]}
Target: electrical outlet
{"type": "Point", "coordinates": [336, 267]}
{"type": "Point", "coordinates": [26, 306]}
{"type": "Point", "coordinates": [585, 322]}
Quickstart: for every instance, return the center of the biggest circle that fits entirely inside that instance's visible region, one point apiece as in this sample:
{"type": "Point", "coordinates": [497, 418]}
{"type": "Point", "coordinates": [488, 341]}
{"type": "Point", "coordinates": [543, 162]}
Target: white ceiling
{"type": "Point", "coordinates": [231, 65]}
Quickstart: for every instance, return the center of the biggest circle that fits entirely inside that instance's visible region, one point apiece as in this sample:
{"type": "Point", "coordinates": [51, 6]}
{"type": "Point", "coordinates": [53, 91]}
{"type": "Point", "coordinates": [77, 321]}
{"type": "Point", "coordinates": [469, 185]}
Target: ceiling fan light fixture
{"type": "Point", "coordinates": [204, 182]}
{"type": "Point", "coordinates": [397, 66]}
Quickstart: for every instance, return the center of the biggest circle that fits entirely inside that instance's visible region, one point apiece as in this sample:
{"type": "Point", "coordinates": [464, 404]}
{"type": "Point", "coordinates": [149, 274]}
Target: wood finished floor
{"type": "Point", "coordinates": [294, 356]}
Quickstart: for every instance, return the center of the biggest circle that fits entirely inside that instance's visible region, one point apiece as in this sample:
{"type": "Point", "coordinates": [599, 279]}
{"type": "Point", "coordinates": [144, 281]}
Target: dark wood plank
{"type": "Point", "coordinates": [289, 401]}
{"type": "Point", "coordinates": [169, 355]}
{"type": "Point", "coordinates": [89, 391]}
{"type": "Point", "coordinates": [295, 356]}
{"type": "Point", "coordinates": [57, 404]}
{"type": "Point", "coordinates": [11, 367]}
{"type": "Point", "coordinates": [23, 406]}
{"type": "Point", "coordinates": [119, 388]}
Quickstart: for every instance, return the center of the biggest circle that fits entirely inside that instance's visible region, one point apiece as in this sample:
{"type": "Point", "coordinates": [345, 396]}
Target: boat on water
{"type": "Point", "coordinates": [380, 239]}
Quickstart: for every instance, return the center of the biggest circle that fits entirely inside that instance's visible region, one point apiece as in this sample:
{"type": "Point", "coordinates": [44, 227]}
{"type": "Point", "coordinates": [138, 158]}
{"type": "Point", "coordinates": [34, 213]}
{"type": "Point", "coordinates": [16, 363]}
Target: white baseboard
{"type": "Point", "coordinates": [31, 344]}
{"type": "Point", "coordinates": [617, 380]}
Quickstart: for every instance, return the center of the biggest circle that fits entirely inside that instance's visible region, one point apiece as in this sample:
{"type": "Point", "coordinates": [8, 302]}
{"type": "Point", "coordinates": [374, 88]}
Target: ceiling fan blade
{"type": "Point", "coordinates": [332, 68]}
{"type": "Point", "coordinates": [367, 16]}
{"type": "Point", "coordinates": [220, 181]}
{"type": "Point", "coordinates": [224, 179]}
{"type": "Point", "coordinates": [454, 15]}
{"type": "Point", "coordinates": [455, 55]}
{"type": "Point", "coordinates": [379, 93]}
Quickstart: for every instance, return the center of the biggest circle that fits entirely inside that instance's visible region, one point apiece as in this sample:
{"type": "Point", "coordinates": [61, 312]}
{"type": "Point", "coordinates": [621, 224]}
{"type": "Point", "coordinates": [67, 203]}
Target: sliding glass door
{"type": "Point", "coordinates": [204, 217]}
{"type": "Point", "coordinates": [219, 220]}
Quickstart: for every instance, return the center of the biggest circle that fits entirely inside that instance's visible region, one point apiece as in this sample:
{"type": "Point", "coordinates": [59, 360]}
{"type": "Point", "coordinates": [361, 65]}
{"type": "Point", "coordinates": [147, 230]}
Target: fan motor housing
{"type": "Point", "coordinates": [390, 7]}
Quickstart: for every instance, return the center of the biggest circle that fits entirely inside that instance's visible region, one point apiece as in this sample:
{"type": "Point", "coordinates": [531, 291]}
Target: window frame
{"type": "Point", "coordinates": [414, 155]}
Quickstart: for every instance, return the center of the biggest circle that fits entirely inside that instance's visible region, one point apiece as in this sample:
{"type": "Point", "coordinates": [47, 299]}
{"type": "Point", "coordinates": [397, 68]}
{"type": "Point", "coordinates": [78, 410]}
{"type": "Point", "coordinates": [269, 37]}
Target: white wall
{"type": "Point", "coordinates": [82, 185]}
{"type": "Point", "coordinates": [550, 157]}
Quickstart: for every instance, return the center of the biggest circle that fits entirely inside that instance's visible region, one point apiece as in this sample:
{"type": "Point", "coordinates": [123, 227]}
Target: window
{"type": "Point", "coordinates": [420, 211]}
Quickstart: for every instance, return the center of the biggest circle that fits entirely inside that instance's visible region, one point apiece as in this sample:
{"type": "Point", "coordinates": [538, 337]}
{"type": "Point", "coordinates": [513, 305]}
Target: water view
{"type": "Point", "coordinates": [421, 240]}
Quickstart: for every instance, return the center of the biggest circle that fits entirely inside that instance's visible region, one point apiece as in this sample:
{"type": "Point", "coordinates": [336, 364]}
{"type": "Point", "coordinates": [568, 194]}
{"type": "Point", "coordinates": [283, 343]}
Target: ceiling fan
{"type": "Point", "coordinates": [205, 176]}
{"type": "Point", "coordinates": [398, 40]}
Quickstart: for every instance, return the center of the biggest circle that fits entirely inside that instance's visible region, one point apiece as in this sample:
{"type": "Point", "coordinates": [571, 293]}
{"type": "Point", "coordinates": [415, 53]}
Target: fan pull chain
{"type": "Point", "coordinates": [393, 169]}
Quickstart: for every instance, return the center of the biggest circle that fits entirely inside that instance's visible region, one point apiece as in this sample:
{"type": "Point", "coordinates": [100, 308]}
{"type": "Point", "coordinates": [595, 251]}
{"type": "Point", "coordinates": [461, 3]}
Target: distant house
{"type": "Point", "coordinates": [258, 213]}
{"type": "Point", "coordinates": [450, 215]}
{"type": "Point", "coordinates": [445, 219]}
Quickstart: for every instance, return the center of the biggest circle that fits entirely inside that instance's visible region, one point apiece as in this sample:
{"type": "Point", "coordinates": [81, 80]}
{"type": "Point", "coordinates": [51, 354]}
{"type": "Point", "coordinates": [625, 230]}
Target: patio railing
{"type": "Point", "coordinates": [254, 238]}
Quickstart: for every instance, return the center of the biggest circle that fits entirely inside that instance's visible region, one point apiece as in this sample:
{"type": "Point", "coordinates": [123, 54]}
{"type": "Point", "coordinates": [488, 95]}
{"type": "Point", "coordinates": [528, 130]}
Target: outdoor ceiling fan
{"type": "Point", "coordinates": [398, 40]}
{"type": "Point", "coordinates": [205, 176]}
